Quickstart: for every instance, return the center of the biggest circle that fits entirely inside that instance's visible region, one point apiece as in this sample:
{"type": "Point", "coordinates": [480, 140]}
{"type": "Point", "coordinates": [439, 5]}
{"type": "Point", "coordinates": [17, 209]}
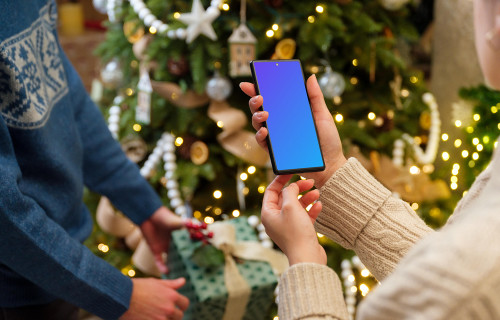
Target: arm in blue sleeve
{"type": "Point", "coordinates": [40, 250]}
{"type": "Point", "coordinates": [106, 168]}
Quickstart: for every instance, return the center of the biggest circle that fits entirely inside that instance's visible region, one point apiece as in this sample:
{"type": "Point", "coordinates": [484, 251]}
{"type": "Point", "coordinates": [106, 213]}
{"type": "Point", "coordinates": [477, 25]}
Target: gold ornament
{"type": "Point", "coordinates": [425, 120]}
{"type": "Point", "coordinates": [135, 148]}
{"type": "Point", "coordinates": [285, 49]}
{"type": "Point", "coordinates": [133, 31]}
{"type": "Point", "coordinates": [199, 152]}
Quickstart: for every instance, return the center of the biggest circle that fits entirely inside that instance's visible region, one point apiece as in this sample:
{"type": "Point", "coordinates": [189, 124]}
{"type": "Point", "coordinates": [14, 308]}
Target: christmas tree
{"type": "Point", "coordinates": [171, 73]}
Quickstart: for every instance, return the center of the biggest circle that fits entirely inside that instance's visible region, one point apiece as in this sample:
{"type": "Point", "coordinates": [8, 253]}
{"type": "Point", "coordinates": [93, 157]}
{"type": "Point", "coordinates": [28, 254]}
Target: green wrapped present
{"type": "Point", "coordinates": [234, 290]}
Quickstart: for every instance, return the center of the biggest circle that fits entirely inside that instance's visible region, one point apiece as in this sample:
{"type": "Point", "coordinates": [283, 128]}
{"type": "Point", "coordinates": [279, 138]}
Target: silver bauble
{"type": "Point", "coordinates": [332, 83]}
{"type": "Point", "coordinates": [100, 5]}
{"type": "Point", "coordinates": [219, 88]}
{"type": "Point", "coordinates": [112, 74]}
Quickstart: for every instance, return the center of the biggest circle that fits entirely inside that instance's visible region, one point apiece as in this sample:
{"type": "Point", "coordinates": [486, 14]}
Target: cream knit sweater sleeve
{"type": "Point", "coordinates": [359, 213]}
{"type": "Point", "coordinates": [451, 274]}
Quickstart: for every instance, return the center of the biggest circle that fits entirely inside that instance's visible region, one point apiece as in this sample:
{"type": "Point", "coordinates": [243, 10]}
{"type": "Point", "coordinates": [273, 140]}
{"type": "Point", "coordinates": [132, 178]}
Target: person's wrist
{"type": "Point", "coordinates": [307, 255]}
{"type": "Point", "coordinates": [329, 171]}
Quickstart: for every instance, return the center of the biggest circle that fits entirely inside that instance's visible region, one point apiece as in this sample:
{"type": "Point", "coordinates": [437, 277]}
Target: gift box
{"type": "Point", "coordinates": [206, 288]}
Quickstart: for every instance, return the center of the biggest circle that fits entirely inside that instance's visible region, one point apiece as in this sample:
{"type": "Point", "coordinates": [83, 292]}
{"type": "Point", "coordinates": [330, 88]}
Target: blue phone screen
{"type": "Point", "coordinates": [292, 132]}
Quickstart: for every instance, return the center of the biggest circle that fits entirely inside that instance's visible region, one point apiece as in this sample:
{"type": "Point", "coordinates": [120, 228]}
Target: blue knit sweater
{"type": "Point", "coordinates": [53, 141]}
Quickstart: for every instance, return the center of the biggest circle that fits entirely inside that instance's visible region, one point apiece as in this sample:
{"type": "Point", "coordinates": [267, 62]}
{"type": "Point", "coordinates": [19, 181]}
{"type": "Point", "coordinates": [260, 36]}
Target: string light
{"type": "Point", "coordinates": [251, 169]}
{"type": "Point", "coordinates": [494, 109]}
{"type": "Point", "coordinates": [131, 273]}
{"type": "Point", "coordinates": [208, 220]}
{"type": "Point", "coordinates": [152, 30]}
{"type": "Point", "coordinates": [134, 64]}
{"type": "Point", "coordinates": [405, 93]}
{"type": "Point", "coordinates": [413, 79]}
{"type": "Point", "coordinates": [311, 19]}
{"type": "Point", "coordinates": [479, 147]}
{"type": "Point", "coordinates": [453, 186]}
{"type": "Point", "coordinates": [275, 27]}
{"type": "Point", "coordinates": [243, 176]}
{"type": "Point", "coordinates": [179, 141]}
{"type": "Point", "coordinates": [354, 289]}
{"type": "Point", "coordinates": [476, 117]}
{"type": "Point", "coordinates": [320, 9]}
{"type": "Point", "coordinates": [220, 124]}
{"type": "Point", "coordinates": [444, 137]}
{"type": "Point", "coordinates": [414, 206]}
{"type": "Point", "coordinates": [355, 62]}
{"type": "Point", "coordinates": [354, 81]}
{"type": "Point", "coordinates": [486, 139]}
{"type": "Point", "coordinates": [465, 153]}
{"type": "Point", "coordinates": [319, 235]}
{"type": "Point", "coordinates": [177, 15]}
{"type": "Point", "coordinates": [446, 156]}
{"type": "Point", "coordinates": [269, 33]}
{"type": "Point", "coordinates": [225, 7]}
{"type": "Point", "coordinates": [218, 211]}
{"type": "Point", "coordinates": [217, 194]}
{"type": "Point", "coordinates": [339, 117]}
{"type": "Point", "coordinates": [475, 156]}
{"type": "Point", "coordinates": [102, 247]}
{"type": "Point", "coordinates": [371, 116]}
{"type": "Point", "coordinates": [137, 127]}
{"type": "Point", "coordinates": [364, 289]}
{"type": "Point", "coordinates": [475, 141]}
{"type": "Point", "coordinates": [337, 100]}
{"type": "Point", "coordinates": [276, 318]}
{"type": "Point", "coordinates": [469, 129]}
{"type": "Point", "coordinates": [236, 213]}
{"type": "Point", "coordinates": [458, 123]}
{"type": "Point", "coordinates": [261, 189]}
{"type": "Point", "coordinates": [129, 91]}
{"type": "Point", "coordinates": [458, 143]}
{"type": "Point", "coordinates": [245, 191]}
{"type": "Point", "coordinates": [365, 273]}
{"type": "Point", "coordinates": [472, 164]}
{"type": "Point", "coordinates": [414, 170]}
{"type": "Point", "coordinates": [197, 214]}
{"type": "Point", "coordinates": [454, 179]}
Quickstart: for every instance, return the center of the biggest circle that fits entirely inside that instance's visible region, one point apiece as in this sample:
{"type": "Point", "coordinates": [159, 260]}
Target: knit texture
{"type": "Point", "coordinates": [453, 273]}
{"type": "Point", "coordinates": [53, 141]}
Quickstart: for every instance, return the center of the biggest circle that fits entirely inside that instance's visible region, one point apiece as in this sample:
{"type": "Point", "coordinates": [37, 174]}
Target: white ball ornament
{"type": "Point", "coordinates": [173, 193]}
{"type": "Point", "coordinates": [181, 211]}
{"type": "Point", "coordinates": [170, 166]}
{"type": "Point", "coordinates": [180, 33]}
{"type": "Point", "coordinates": [263, 236]}
{"type": "Point", "coordinates": [113, 127]}
{"type": "Point", "coordinates": [267, 243]}
{"type": "Point", "coordinates": [148, 20]}
{"type": "Point", "coordinates": [143, 13]}
{"type": "Point", "coordinates": [171, 34]}
{"type": "Point", "coordinates": [219, 88]}
{"type": "Point", "coordinates": [175, 202]}
{"type": "Point", "coordinates": [332, 83]}
{"type": "Point", "coordinates": [172, 184]}
{"type": "Point", "coordinates": [253, 221]}
{"type": "Point", "coordinates": [261, 228]}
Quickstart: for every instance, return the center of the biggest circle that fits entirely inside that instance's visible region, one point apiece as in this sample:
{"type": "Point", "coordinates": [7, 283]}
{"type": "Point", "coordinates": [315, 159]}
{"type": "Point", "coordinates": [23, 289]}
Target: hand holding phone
{"type": "Point", "coordinates": [330, 140]}
{"type": "Point", "coordinates": [292, 140]}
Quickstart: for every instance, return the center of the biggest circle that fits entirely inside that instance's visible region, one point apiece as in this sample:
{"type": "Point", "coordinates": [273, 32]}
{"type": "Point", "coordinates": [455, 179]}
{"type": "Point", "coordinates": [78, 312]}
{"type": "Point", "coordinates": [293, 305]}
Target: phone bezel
{"type": "Point", "coordinates": [268, 138]}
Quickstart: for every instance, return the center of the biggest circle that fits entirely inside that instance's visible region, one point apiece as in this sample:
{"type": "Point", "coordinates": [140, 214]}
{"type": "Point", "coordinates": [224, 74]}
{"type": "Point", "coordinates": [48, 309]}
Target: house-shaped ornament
{"type": "Point", "coordinates": [241, 50]}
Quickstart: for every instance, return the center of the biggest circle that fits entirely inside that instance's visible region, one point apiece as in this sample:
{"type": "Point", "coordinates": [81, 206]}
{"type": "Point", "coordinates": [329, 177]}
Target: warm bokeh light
{"type": "Point", "coordinates": [446, 156]}
{"type": "Point", "coordinates": [269, 33]}
{"type": "Point", "coordinates": [339, 117]}
{"type": "Point", "coordinates": [137, 127]}
{"type": "Point", "coordinates": [251, 169]}
{"type": "Point", "coordinates": [217, 194]}
{"type": "Point", "coordinates": [320, 9]}
{"type": "Point", "coordinates": [236, 213]}
{"type": "Point", "coordinates": [371, 116]}
{"type": "Point", "coordinates": [275, 27]}
{"type": "Point", "coordinates": [458, 123]}
{"type": "Point", "coordinates": [311, 19]}
{"type": "Point", "coordinates": [243, 176]}
{"type": "Point", "coordinates": [444, 137]}
{"type": "Point", "coordinates": [208, 220]}
{"type": "Point", "coordinates": [220, 124]}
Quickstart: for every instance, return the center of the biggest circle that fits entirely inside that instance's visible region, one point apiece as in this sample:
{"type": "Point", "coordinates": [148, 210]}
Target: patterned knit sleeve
{"type": "Point", "coordinates": [106, 168]}
{"type": "Point", "coordinates": [40, 250]}
{"type": "Point", "coordinates": [359, 213]}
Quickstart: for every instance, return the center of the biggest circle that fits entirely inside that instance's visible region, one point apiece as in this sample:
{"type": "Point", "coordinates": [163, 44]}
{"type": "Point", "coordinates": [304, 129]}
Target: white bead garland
{"type": "Point", "coordinates": [150, 20]}
{"type": "Point", "coordinates": [112, 8]}
{"type": "Point", "coordinates": [114, 116]}
{"type": "Point", "coordinates": [430, 153]}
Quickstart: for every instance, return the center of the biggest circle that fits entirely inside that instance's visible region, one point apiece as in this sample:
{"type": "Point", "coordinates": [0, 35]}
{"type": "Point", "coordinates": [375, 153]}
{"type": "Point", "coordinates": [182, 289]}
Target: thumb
{"type": "Point", "coordinates": [290, 195]}
{"type": "Point", "coordinates": [316, 97]}
{"type": "Point", "coordinates": [175, 283]}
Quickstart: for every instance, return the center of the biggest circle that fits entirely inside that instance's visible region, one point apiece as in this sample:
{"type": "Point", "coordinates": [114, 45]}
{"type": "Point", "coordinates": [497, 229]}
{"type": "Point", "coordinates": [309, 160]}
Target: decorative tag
{"type": "Point", "coordinates": [143, 110]}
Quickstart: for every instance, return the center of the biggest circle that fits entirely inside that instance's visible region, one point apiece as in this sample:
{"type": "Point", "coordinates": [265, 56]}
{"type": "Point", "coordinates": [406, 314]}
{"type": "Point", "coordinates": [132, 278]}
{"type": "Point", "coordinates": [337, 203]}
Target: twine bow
{"type": "Point", "coordinates": [238, 290]}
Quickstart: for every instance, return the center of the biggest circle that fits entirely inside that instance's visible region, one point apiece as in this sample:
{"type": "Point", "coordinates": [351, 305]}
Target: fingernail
{"type": "Point", "coordinates": [240, 84]}
{"type": "Point", "coordinates": [254, 99]}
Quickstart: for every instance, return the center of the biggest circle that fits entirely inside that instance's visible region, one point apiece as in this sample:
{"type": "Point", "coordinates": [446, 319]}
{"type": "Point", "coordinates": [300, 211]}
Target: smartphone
{"type": "Point", "coordinates": [293, 140]}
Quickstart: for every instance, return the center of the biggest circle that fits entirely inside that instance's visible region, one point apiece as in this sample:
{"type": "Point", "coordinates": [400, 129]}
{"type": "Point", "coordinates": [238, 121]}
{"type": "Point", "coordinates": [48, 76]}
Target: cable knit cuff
{"type": "Point", "coordinates": [350, 198]}
{"type": "Point", "coordinates": [309, 289]}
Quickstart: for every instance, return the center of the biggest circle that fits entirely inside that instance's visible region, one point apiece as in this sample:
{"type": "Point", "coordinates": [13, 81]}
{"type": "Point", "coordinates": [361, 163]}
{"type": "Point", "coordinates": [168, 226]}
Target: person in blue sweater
{"type": "Point", "coordinates": [53, 142]}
